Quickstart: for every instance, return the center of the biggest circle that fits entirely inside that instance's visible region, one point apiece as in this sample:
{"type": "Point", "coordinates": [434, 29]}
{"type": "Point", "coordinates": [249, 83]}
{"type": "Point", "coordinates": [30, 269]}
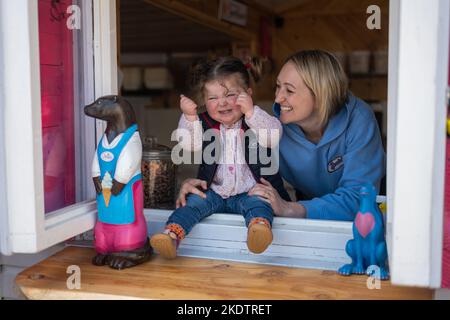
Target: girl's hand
{"type": "Point", "coordinates": [245, 101]}
{"type": "Point", "coordinates": [189, 108]}
{"type": "Point", "coordinates": [280, 207]}
{"type": "Point", "coordinates": [190, 186]}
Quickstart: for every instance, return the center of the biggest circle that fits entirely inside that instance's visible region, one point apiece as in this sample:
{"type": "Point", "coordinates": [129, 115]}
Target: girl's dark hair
{"type": "Point", "coordinates": [220, 68]}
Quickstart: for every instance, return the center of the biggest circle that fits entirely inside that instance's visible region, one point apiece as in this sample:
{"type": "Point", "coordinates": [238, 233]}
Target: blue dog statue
{"type": "Point", "coordinates": [368, 246]}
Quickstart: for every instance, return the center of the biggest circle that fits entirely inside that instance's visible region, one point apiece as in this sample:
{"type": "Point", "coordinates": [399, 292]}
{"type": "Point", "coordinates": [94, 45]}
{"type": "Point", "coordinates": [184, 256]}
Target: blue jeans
{"type": "Point", "coordinates": [197, 208]}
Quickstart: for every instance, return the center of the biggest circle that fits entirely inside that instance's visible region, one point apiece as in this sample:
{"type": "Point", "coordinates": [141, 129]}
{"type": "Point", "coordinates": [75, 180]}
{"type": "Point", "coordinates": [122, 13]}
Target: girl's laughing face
{"type": "Point", "coordinates": [220, 100]}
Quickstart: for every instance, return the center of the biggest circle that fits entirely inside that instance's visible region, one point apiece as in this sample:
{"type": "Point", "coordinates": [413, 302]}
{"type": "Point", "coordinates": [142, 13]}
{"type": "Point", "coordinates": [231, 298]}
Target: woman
{"type": "Point", "coordinates": [331, 143]}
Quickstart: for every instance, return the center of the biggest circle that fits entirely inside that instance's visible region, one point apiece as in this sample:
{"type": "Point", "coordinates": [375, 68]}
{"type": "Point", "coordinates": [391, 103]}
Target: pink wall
{"type": "Point", "coordinates": [446, 251]}
{"type": "Point", "coordinates": [56, 62]}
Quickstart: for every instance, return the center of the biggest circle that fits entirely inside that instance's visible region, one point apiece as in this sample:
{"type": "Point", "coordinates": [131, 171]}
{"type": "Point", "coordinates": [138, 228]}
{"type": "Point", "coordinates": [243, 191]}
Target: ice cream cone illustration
{"type": "Point", "coordinates": [106, 196]}
{"type": "Point", "coordinates": [106, 188]}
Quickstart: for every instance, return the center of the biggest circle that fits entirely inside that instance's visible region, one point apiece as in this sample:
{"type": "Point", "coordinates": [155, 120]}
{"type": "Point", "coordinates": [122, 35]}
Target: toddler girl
{"type": "Point", "coordinates": [223, 86]}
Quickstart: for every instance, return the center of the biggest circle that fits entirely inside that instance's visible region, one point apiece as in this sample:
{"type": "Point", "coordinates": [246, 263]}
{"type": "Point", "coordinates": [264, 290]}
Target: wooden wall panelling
{"type": "Point", "coordinates": [332, 7]}
{"type": "Point", "coordinates": [336, 26]}
{"type": "Point", "coordinates": [204, 14]}
{"type": "Point", "coordinates": [371, 88]}
{"type": "Point", "coordinates": [146, 28]}
{"type": "Point", "coordinates": [331, 25]}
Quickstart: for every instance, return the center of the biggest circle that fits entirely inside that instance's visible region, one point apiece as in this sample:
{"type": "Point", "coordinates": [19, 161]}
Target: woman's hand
{"type": "Point", "coordinates": [245, 101]}
{"type": "Point", "coordinates": [280, 206]}
{"type": "Point", "coordinates": [189, 108]}
{"type": "Point", "coordinates": [190, 186]}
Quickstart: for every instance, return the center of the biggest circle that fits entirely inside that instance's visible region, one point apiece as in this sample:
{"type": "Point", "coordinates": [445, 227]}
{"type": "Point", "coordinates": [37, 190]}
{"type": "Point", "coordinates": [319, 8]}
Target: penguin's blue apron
{"type": "Point", "coordinates": [121, 207]}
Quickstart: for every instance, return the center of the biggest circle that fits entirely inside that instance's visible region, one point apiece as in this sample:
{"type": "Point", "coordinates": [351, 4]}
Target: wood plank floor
{"type": "Point", "coordinates": [193, 278]}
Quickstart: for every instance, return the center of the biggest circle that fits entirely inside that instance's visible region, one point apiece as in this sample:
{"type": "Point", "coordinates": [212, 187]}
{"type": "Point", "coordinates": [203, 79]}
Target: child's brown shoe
{"type": "Point", "coordinates": [165, 245]}
{"type": "Point", "coordinates": [259, 237]}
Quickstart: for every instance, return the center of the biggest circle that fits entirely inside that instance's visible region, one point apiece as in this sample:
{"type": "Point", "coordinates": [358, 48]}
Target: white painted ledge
{"type": "Point", "coordinates": [312, 244]}
{"type": "Point", "coordinates": [302, 243]}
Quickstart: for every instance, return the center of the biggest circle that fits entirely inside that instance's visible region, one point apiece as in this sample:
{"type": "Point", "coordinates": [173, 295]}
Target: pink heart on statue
{"type": "Point", "coordinates": [364, 222]}
{"type": "Point", "coordinates": [231, 169]}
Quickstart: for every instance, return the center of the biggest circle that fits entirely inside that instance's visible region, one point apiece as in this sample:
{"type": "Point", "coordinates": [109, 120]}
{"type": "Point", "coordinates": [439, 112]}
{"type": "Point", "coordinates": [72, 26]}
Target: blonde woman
{"type": "Point", "coordinates": [330, 145]}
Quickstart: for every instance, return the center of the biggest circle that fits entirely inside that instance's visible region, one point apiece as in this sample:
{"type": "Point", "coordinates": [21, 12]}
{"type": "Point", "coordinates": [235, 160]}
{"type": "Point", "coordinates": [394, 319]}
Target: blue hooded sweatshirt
{"type": "Point", "coordinates": [330, 173]}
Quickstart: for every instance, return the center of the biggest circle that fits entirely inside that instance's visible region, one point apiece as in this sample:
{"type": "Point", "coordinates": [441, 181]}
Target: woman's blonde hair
{"type": "Point", "coordinates": [325, 78]}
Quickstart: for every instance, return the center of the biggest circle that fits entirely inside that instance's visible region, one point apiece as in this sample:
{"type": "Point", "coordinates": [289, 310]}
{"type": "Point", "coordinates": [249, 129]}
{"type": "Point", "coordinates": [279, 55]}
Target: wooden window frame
{"type": "Point", "coordinates": [27, 228]}
{"type": "Point", "coordinates": [414, 218]}
{"type": "Point", "coordinates": [417, 78]}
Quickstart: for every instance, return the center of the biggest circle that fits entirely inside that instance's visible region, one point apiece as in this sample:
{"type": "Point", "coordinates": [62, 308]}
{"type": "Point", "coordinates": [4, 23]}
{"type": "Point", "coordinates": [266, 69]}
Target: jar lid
{"type": "Point", "coordinates": [156, 152]}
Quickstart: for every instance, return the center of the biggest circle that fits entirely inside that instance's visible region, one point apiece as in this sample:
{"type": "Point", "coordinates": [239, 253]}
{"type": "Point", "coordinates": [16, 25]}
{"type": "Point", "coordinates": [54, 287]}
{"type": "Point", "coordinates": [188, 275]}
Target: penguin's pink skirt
{"type": "Point", "coordinates": [114, 238]}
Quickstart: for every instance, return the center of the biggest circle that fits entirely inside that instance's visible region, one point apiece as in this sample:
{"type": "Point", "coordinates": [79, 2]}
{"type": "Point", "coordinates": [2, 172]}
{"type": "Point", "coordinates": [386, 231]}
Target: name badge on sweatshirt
{"type": "Point", "coordinates": [335, 164]}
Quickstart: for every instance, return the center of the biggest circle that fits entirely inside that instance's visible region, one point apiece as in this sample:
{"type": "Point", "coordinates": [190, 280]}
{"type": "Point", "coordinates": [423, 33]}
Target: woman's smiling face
{"type": "Point", "coordinates": [296, 100]}
{"type": "Point", "coordinates": [220, 100]}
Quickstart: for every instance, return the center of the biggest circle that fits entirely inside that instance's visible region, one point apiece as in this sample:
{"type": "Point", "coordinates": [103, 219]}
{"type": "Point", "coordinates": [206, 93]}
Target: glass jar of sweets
{"type": "Point", "coordinates": [158, 175]}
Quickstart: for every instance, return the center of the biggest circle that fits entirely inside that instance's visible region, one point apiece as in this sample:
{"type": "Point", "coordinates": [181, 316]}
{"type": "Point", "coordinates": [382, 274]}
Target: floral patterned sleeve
{"type": "Point", "coordinates": [189, 134]}
{"type": "Point", "coordinates": [268, 129]}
